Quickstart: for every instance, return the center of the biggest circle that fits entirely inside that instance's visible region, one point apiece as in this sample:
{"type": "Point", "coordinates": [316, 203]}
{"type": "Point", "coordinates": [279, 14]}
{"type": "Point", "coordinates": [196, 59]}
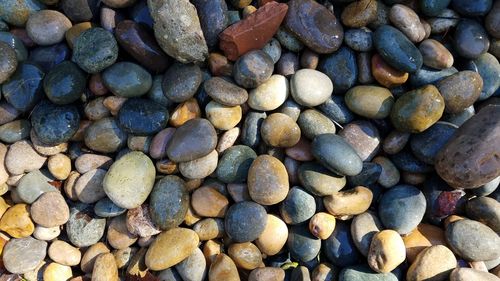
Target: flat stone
{"type": "Point", "coordinates": [348, 202]}
{"type": "Point", "coordinates": [169, 202]}
{"type": "Point", "coordinates": [34, 184]}
{"type": "Point", "coordinates": [23, 255]}
{"type": "Point", "coordinates": [225, 92]}
{"type": "Point", "coordinates": [435, 54]}
{"type": "Point", "coordinates": [253, 69]}
{"type": "Point", "coordinates": [310, 87]}
{"type": "Point", "coordinates": [472, 240]}
{"type": "Point", "coordinates": [336, 155]}
{"type": "Point", "coordinates": [223, 117]}
{"type": "Point", "coordinates": [127, 79]}
{"type": "Point", "coordinates": [195, 139]}
{"type": "Point", "coordinates": [170, 248]}
{"type": "Point", "coordinates": [84, 228]}
{"type": "Point", "coordinates": [181, 81]}
{"type": "Point", "coordinates": [50, 210]}
{"type": "Point", "coordinates": [264, 187]}
{"type": "Point", "coordinates": [63, 253]}
{"type": "Point", "coordinates": [54, 124]}
{"type": "Point", "coordinates": [200, 168]}
{"type": "Point", "coordinates": [142, 117]}
{"type": "Point", "coordinates": [407, 20]}
{"type": "Point", "coordinates": [313, 123]}
{"type": "Point", "coordinates": [22, 158]}
{"type": "Point", "coordinates": [279, 130]}
{"type": "Point", "coordinates": [16, 221]}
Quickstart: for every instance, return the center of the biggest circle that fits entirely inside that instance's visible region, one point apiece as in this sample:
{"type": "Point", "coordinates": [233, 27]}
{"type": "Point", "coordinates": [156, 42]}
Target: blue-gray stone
{"type": "Point", "coordinates": [24, 88]}
{"type": "Point", "coordinates": [106, 208]}
{"type": "Point", "coordinates": [84, 227]}
{"type": "Point", "coordinates": [336, 109]}
{"type": "Point", "coordinates": [142, 116]}
{"type": "Point", "coordinates": [55, 124]}
{"type": "Point", "coordinates": [303, 246]}
{"type": "Point", "coordinates": [298, 206]}
{"type": "Point", "coordinates": [406, 161]}
{"type": "Point", "coordinates": [47, 57]}
{"type": "Point", "coordinates": [488, 67]}
{"type": "Point", "coordinates": [168, 203]}
{"type": "Point", "coordinates": [250, 132]}
{"type": "Point", "coordinates": [234, 164]}
{"type": "Point", "coordinates": [363, 272]}
{"type": "Point", "coordinates": [342, 69]}
{"type": "Point", "coordinates": [336, 154]}
{"type": "Point", "coordinates": [15, 43]}
{"type": "Point", "coordinates": [245, 221]}
{"type": "Point", "coordinates": [426, 75]}
{"type": "Point", "coordinates": [340, 248]}
{"type": "Point", "coordinates": [427, 144]}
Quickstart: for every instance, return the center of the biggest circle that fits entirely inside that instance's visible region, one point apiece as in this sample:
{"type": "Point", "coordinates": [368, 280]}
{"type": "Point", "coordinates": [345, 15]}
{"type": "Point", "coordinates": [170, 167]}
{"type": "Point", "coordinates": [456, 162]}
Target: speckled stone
{"type": "Point", "coordinates": [23, 255]}
{"type": "Point", "coordinates": [54, 124]}
{"type": "Point", "coordinates": [472, 240]}
{"type": "Point", "coordinates": [169, 211]}
{"type": "Point", "coordinates": [245, 221]}
{"type": "Point", "coordinates": [336, 154]}
{"type": "Point", "coordinates": [95, 49]}
{"type": "Point", "coordinates": [84, 228]}
{"type": "Point", "coordinates": [142, 116]}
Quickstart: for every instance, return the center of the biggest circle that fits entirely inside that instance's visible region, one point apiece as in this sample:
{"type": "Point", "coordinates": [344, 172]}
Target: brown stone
{"type": "Point", "coordinates": [300, 151]}
{"type": "Point", "coordinates": [88, 259]}
{"type": "Point", "coordinates": [16, 221]}
{"type": "Point", "coordinates": [166, 166]}
{"type": "Point", "coordinates": [267, 274]}
{"type": "Point", "coordinates": [322, 225]}
{"type": "Point", "coordinates": [267, 180]}
{"type": "Point", "coordinates": [460, 90]}
{"type": "Point", "coordinates": [279, 130]}
{"type": "Point", "coordinates": [435, 55]}
{"type": "Point", "coordinates": [359, 13]}
{"type": "Point", "coordinates": [385, 74]}
{"type": "Point", "coordinates": [254, 31]}
{"type": "Point", "coordinates": [432, 264]}
{"type": "Point", "coordinates": [208, 202]}
{"type": "Point", "coordinates": [118, 236]}
{"type": "Point", "coordinates": [96, 85]}
{"type": "Point", "coordinates": [387, 251]}
{"type": "Point", "coordinates": [425, 235]}
{"type": "Point", "coordinates": [211, 250]}
{"type": "Point", "coordinates": [471, 157]}
{"type": "Point", "coordinates": [219, 65]}
{"type": "Point", "coordinates": [223, 268]}
{"type": "Point", "coordinates": [274, 236]}
{"type": "Point", "coordinates": [349, 202]}
{"type": "Point", "coordinates": [184, 112]}
{"type": "Point", "coordinates": [105, 268]}
{"type": "Point", "coordinates": [50, 210]}
{"type": "Point", "coordinates": [245, 255]}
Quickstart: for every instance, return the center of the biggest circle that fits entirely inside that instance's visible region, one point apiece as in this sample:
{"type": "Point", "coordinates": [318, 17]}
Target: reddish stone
{"type": "Point", "coordinates": [254, 31]}
{"type": "Point", "coordinates": [385, 74]}
{"type": "Point", "coordinates": [96, 85]}
{"type": "Point", "coordinates": [264, 2]}
{"type": "Point", "coordinates": [23, 36]}
{"type": "Point", "coordinates": [448, 201]}
{"type": "Point", "coordinates": [219, 65]}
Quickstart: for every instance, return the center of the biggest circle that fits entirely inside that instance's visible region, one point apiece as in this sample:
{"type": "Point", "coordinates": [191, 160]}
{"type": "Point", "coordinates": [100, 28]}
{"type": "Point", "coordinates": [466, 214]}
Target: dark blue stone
{"type": "Point", "coordinates": [55, 124]}
{"type": "Point", "coordinates": [336, 109]}
{"type": "Point", "coordinates": [340, 248]}
{"type": "Point", "coordinates": [368, 176]}
{"type": "Point", "coordinates": [24, 88]}
{"type": "Point", "coordinates": [405, 161]}
{"type": "Point", "coordinates": [298, 206]}
{"type": "Point", "coordinates": [142, 117]}
{"type": "Point", "coordinates": [471, 39]}
{"type": "Point", "coordinates": [303, 246]}
{"type": "Point", "coordinates": [140, 14]}
{"type": "Point", "coordinates": [432, 188]}
{"type": "Point", "coordinates": [245, 221]}
{"type": "Point", "coordinates": [50, 56]}
{"type": "Point", "coordinates": [427, 144]}
{"type": "Point", "coordinates": [342, 69]}
{"type": "Point", "coordinates": [213, 19]}
{"type": "Point", "coordinates": [426, 75]}
{"type": "Point", "coordinates": [433, 7]}
{"type": "Point", "coordinates": [472, 8]}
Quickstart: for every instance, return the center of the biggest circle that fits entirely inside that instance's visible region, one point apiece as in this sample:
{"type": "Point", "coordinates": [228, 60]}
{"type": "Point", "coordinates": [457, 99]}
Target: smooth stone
{"type": "Point", "coordinates": [407, 162]}
{"type": "Point", "coordinates": [425, 266]}
{"type": "Point", "coordinates": [395, 141]}
{"type": "Point", "coordinates": [169, 202]}
{"type": "Point", "coordinates": [402, 208]}
{"type": "Point", "coordinates": [234, 164]}
{"type": "Point", "coordinates": [396, 49]}
{"type": "Point", "coordinates": [95, 49]}
{"type": "Point", "coordinates": [250, 132]}
{"type": "Point", "coordinates": [126, 79]}
{"type": "Point", "coordinates": [209, 228]}
{"type": "Point", "coordinates": [54, 124]}
{"type": "Point", "coordinates": [268, 96]}
{"type": "Point", "coordinates": [223, 117]}
{"type": "Point", "coordinates": [4, 175]}
{"type": "Point", "coordinates": [340, 249]}
{"type": "Point", "coordinates": [267, 274]}
{"type": "Point", "coordinates": [472, 240]}
{"type": "Point", "coordinates": [460, 90]}
{"type": "Point", "coordinates": [322, 225]}
{"type": "Point", "coordinates": [385, 74]}
{"type": "Point", "coordinates": [34, 184]}
{"type": "Point", "coordinates": [314, 25]}
{"type": "Point", "coordinates": [470, 9]}
{"type": "Point", "coordinates": [467, 159]}
{"type": "Point", "coordinates": [423, 237]}
{"type": "Point", "coordinates": [117, 234]}
{"type": "Point", "coordinates": [89, 161]}
{"type": "Point", "coordinates": [17, 12]}
{"type": "Point", "coordinates": [435, 55]}
{"type": "Point", "coordinates": [408, 22]}
{"type": "Point", "coordinates": [15, 43]}
{"type": "Point", "coordinates": [360, 13]}
{"type": "Point", "coordinates": [47, 27]}
{"type": "Point", "coordinates": [139, 222]}
{"type": "Point", "coordinates": [433, 7]}
{"type": "Point", "coordinates": [170, 248]}
{"type": "Point", "coordinates": [63, 253]}
{"type": "Point", "coordinates": [8, 62]}
{"type": "Point", "coordinates": [194, 267]}
{"type": "Point", "coordinates": [105, 136]}
{"type": "Point", "coordinates": [359, 39]}
{"type": "Point", "coordinates": [227, 93]}
{"type": "Point", "coordinates": [79, 10]}
{"type": "Point", "coordinates": [252, 69]}
{"type": "Point", "coordinates": [302, 245]}
{"type": "Point", "coordinates": [471, 39]}
{"type": "Point", "coordinates": [90, 255]}
{"type": "Point", "coordinates": [363, 227]}
{"type": "Point", "coordinates": [89, 186]}
{"type": "Point", "coordinates": [485, 210]}
{"type": "Point", "coordinates": [7, 112]}
{"type": "Point", "coordinates": [50, 210]}
{"type": "Point", "coordinates": [181, 81]}
{"type": "Point", "coordinates": [301, 151]}
{"type": "Point", "coordinates": [16, 221]}
{"type": "Point", "coordinates": [263, 187]}
{"type": "Point", "coordinates": [463, 274]}
{"type": "Point", "coordinates": [23, 255]}
{"type": "Point", "coordinates": [417, 110]}
{"type": "Point", "coordinates": [387, 251]}
{"type": "Point", "coordinates": [342, 69]}
{"type": "Point", "coordinates": [178, 30]}
{"type": "Point", "coordinates": [298, 206]}
{"type": "Point", "coordinates": [445, 20]}
{"type": "Point", "coordinates": [363, 137]}
{"type": "Point", "coordinates": [368, 176]}
{"type": "Point", "coordinates": [245, 255]}
{"type": "Point", "coordinates": [213, 19]}
{"type": "Point", "coordinates": [159, 143]}
{"type": "Point", "coordinates": [142, 117]}
{"type": "Point", "coordinates": [426, 75]}
{"type": "Point", "coordinates": [184, 112]}
{"type": "Point", "coordinates": [84, 228]}
{"type": "Point", "coordinates": [21, 95]}
{"type": "Point", "coordinates": [336, 154]}
{"type": "Point", "coordinates": [279, 130]}
{"type": "Point", "coordinates": [274, 236]}
{"type": "Point", "coordinates": [349, 202]}
{"type": "Point", "coordinates": [105, 268]}
{"type": "Point", "coordinates": [223, 268]}
{"type": "Point", "coordinates": [21, 158]}
{"type": "Point", "coordinates": [110, 17]}
{"type": "Point", "coordinates": [156, 92]}
{"type": "Point", "coordinates": [365, 75]}
{"type": "Point", "coordinates": [106, 208]}
{"type": "Point", "coordinates": [336, 109]}
{"type": "Point", "coordinates": [313, 123]}
{"type": "Point", "coordinates": [245, 221]}
{"type": "Point", "coordinates": [199, 168]}
{"type": "Point", "coordinates": [291, 108]}
{"type": "Point", "coordinates": [194, 139]}
{"type": "Point", "coordinates": [363, 272]}
{"type": "Point", "coordinates": [310, 87]}
{"type": "Point", "coordinates": [489, 68]}
{"type": "Point", "coordinates": [492, 21]}
{"type": "Point", "coordinates": [426, 145]}
{"type": "Point", "coordinates": [288, 40]}
{"type": "Point", "coordinates": [65, 83]}
{"type": "Point", "coordinates": [47, 57]}
{"type": "Point", "coordinates": [129, 180]}
{"type": "Point", "coordinates": [75, 31]}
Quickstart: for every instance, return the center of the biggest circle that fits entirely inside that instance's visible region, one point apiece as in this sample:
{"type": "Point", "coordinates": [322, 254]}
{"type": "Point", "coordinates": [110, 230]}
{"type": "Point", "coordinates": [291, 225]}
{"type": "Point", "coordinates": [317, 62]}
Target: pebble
{"type": "Point", "coordinates": [288, 40]}
{"type": "Point", "coordinates": [17, 13]}
{"type": "Point", "coordinates": [300, 151]}
{"type": "Point", "coordinates": [234, 164]}
{"type": "Point", "coordinates": [274, 236]}
{"type": "Point", "coordinates": [425, 266]}
{"type": "Point", "coordinates": [402, 208]}
{"type": "Point", "coordinates": [64, 83]}
{"type": "Point", "coordinates": [170, 248]}
{"type": "Point", "coordinates": [8, 62]}
{"type": "Point", "coordinates": [227, 93]}
{"type": "Point", "coordinates": [139, 222]}
{"type": "Point", "coordinates": [385, 74]}
{"type": "Point", "coordinates": [89, 186]}
{"type": "Point", "coordinates": [368, 176]}
{"type": "Point", "coordinates": [270, 95]}
{"type": "Point", "coordinates": [47, 27]}
{"type": "Point", "coordinates": [74, 31]}
{"type": "Point", "coordinates": [363, 227]}
{"type": "Point", "coordinates": [342, 69]}
{"type": "Point", "coordinates": [460, 90]}
{"type": "Point", "coordinates": [435, 55]}
{"type": "Point", "coordinates": [193, 267]}
{"type": "Point", "coordinates": [322, 225]}
{"type": "Point", "coordinates": [336, 154]}
{"type": "Point", "coordinates": [253, 68]}
{"type": "Point", "coordinates": [142, 116]}
{"type": "Point", "coordinates": [90, 161]}
{"type": "Point", "coordinates": [46, 234]}
{"type": "Point", "coordinates": [310, 87]}
{"type": "Point", "coordinates": [348, 202]}
{"type": "Point", "coordinates": [426, 145]}
{"type": "Point", "coordinates": [181, 81]}
{"type": "Point", "coordinates": [267, 274]}
{"type": "Point", "coordinates": [194, 139]}
{"type": "Point", "coordinates": [22, 158]}
{"type": "Point", "coordinates": [462, 274]}
{"type": "Point", "coordinates": [488, 67]}
{"type": "Point", "coordinates": [298, 206]}
{"type": "Point", "coordinates": [303, 246]}
{"type": "Point", "coordinates": [406, 20]}
{"type": "Point", "coordinates": [23, 255]}
{"type": "Point", "coordinates": [126, 79]}
{"type": "Point", "coordinates": [340, 249]}
{"type": "Point", "coordinates": [267, 188]}
{"type": "Point", "coordinates": [313, 123]}
{"type": "Point", "coordinates": [21, 95]}
{"type": "Point", "coordinates": [492, 21]}
{"type": "Point", "coordinates": [54, 124]}
{"type": "Point", "coordinates": [245, 255]}
{"type": "Point", "coordinates": [223, 117]}
{"type": "Point", "coordinates": [16, 221]}
{"type": "Point", "coordinates": [59, 166]}
{"type": "Point", "coordinates": [359, 13]}
{"type": "Point", "coordinates": [223, 268]}
{"type": "Point", "coordinates": [117, 234]}
{"type": "Point", "coordinates": [105, 268]}
{"type": "Point", "coordinates": [359, 39]}
{"type": "Point", "coordinates": [50, 210]}
{"type": "Point", "coordinates": [363, 137]}
{"type": "Point", "coordinates": [245, 221]}
{"type": "Point", "coordinates": [472, 240]}
{"type": "Point", "coordinates": [424, 236]}
{"type": "Point", "coordinates": [90, 255]}
{"type": "Point", "coordinates": [279, 130]}
{"type": "Point", "coordinates": [364, 272]}
{"type": "Point", "coordinates": [485, 210]}
{"type": "Point", "coordinates": [209, 228]}
{"type": "Point", "coordinates": [323, 35]}
{"type": "Point", "coordinates": [84, 228]}
{"type": "Point", "coordinates": [208, 202]}
{"type": "Point", "coordinates": [54, 271]}
{"type": "Point", "coordinates": [471, 40]}
{"type": "Point", "coordinates": [168, 211]}
{"type": "Point", "coordinates": [63, 253]}
{"type": "Point", "coordinates": [104, 135]}
{"type": "Point", "coordinates": [95, 49]}
{"type": "Point", "coordinates": [387, 251]}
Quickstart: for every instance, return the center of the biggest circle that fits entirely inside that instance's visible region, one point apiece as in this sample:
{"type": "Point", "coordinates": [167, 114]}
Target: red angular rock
{"type": "Point", "coordinates": [254, 31]}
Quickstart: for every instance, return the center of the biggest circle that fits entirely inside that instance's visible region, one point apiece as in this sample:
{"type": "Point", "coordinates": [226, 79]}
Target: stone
{"type": "Point", "coordinates": [402, 208]}
{"type": "Point", "coordinates": [209, 228]}
{"type": "Point", "coordinates": [350, 202]}
{"type": "Point", "coordinates": [74, 31]}
{"type": "Point", "coordinates": [369, 175]}
{"type": "Point", "coordinates": [300, 151]}
{"type": "Point", "coordinates": [21, 95]}
{"type": "Point", "coordinates": [363, 227]}
{"type": "Point", "coordinates": [158, 146]}
{"type": "Point", "coordinates": [471, 39]}
{"type": "Point", "coordinates": [181, 81]}
{"type": "Point", "coordinates": [129, 180]}
{"type": "Point", "coordinates": [485, 210]}
{"type": "Point", "coordinates": [50, 210]}
{"type": "Point", "coordinates": [417, 110]}
{"type": "Point", "coordinates": [462, 274]}
{"type": "Point", "coordinates": [396, 49]}
{"type": "Point", "coordinates": [472, 240]}
{"type": "Point", "coordinates": [363, 137]}
{"type": "Point", "coordinates": [223, 268]}
{"type": "Point", "coordinates": [208, 202]}
{"type": "Point", "coordinates": [245, 255]}
{"type": "Point", "coordinates": [433, 7]}
{"type": "Point", "coordinates": [16, 222]}
{"type": "Point", "coordinates": [194, 139]}
{"type": "Point", "coordinates": [54, 124]}
{"type": "Point", "coordinates": [407, 20]}
{"type": "Point", "coordinates": [250, 131]}
{"type": "Point", "coordinates": [178, 31]}
{"type": "Point", "coordinates": [17, 13]}
{"type": "Point", "coordinates": [193, 267]}
{"type": "Point", "coordinates": [267, 274]}
{"type": "Point", "coordinates": [139, 222]}
{"type": "Point", "coordinates": [22, 158]}
{"type": "Point", "coordinates": [336, 155]}
{"type": "Point", "coordinates": [90, 255]}
{"type": "Point", "coordinates": [288, 40]}
{"type": "Point", "coordinates": [63, 253]}
{"type": "Point", "coordinates": [472, 147]}
{"type": "Point", "coordinates": [8, 62]}
{"type": "Point", "coordinates": [65, 83]}
{"type": "Point", "coordinates": [424, 236]}
{"type": "Point", "coordinates": [460, 90]}
{"type": "Point", "coordinates": [84, 228]}
{"type": "Point", "coordinates": [339, 248]}
{"type": "Point", "coordinates": [435, 55]}
{"type": "Point", "coordinates": [426, 145]}
{"type": "Point", "coordinates": [253, 69]}
{"type": "Point", "coordinates": [89, 161]}
{"type": "Point", "coordinates": [310, 87]}
{"type": "Point", "coordinates": [253, 32]}
{"type": "Point", "coordinates": [89, 186]}
{"type": "Point", "coordinates": [359, 39]}
{"type": "Point", "coordinates": [488, 67]}
{"type": "Point", "coordinates": [95, 49]}
{"type": "Point", "coordinates": [105, 268]}
{"type": "Point", "coordinates": [298, 206]}
{"type": "Point", "coordinates": [385, 74]}
{"type": "Point", "coordinates": [117, 234]}
{"type": "Point", "coordinates": [274, 236]}
{"type": "Point", "coordinates": [313, 123]}
{"type": "Point", "coordinates": [225, 92]}
{"type": "Point", "coordinates": [54, 271]}
{"type": "Point", "coordinates": [7, 112]}
{"type": "Point", "coordinates": [105, 135]}
{"type": "Point", "coordinates": [322, 225]}
{"type": "Point", "coordinates": [170, 248]}
{"type": "Point", "coordinates": [168, 211]}
{"type": "Point", "coordinates": [314, 25]}
{"type": "Point", "coordinates": [214, 19]}
{"type": "Point", "coordinates": [279, 130]}
{"type": "Point", "coordinates": [387, 251]}
{"type": "Point", "coordinates": [47, 27]}
{"type": "Point", "coordinates": [270, 95]}
{"type": "Point", "coordinates": [234, 164]}
{"type": "Point", "coordinates": [223, 117]}
{"type": "Point", "coordinates": [302, 245]}
{"type": "Point", "coordinates": [379, 105]}
{"type": "Point", "coordinates": [363, 273]}
{"type": "Point", "coordinates": [142, 117]}
{"type": "Point", "coordinates": [264, 187]}
{"type": "Point", "coordinates": [342, 69]}
{"type": "Point", "coordinates": [359, 13]}
{"type": "Point", "coordinates": [492, 21]}
{"type": "Point", "coordinates": [245, 221]}
{"type": "Point", "coordinates": [23, 255]}
{"type": "Point", "coordinates": [126, 79]}
{"type": "Point", "coordinates": [425, 266]}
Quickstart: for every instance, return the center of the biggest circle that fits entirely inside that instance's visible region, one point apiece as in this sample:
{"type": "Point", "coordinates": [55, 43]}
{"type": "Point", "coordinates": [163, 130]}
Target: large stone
{"type": "Point", "coordinates": [267, 180]}
{"type": "Point", "coordinates": [23, 255]}
{"type": "Point", "coordinates": [194, 139]}
{"type": "Point", "coordinates": [170, 248]}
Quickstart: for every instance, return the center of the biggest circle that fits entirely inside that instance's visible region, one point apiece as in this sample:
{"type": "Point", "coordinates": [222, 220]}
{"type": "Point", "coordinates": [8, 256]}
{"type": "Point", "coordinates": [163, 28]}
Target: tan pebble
{"type": "Point", "coordinates": [274, 236]}
{"type": "Point", "coordinates": [89, 187]}
{"type": "Point", "coordinates": [322, 225]}
{"type": "Point", "coordinates": [191, 217]}
{"type": "Point", "coordinates": [166, 167]}
{"type": "Point", "coordinates": [57, 272]}
{"type": "Point", "coordinates": [123, 256]}
{"type": "Point", "coordinates": [3, 206]}
{"type": "Point", "coordinates": [200, 168]}
{"type": "Point", "coordinates": [432, 264]}
{"type": "Point", "coordinates": [63, 253]}
{"type": "Point", "coordinates": [223, 117]}
{"type": "Point", "coordinates": [424, 236]}
{"type": "Point", "coordinates": [267, 274]}
{"type": "Point", "coordinates": [4, 176]}
{"type": "Point", "coordinates": [114, 103]}
{"type": "Point", "coordinates": [46, 233]}
{"type": "Point", "coordinates": [469, 274]}
{"type": "Point", "coordinates": [22, 158]}
{"type": "Point", "coordinates": [105, 268]}
{"type": "Point", "coordinates": [90, 255]}
{"type": "Point", "coordinates": [69, 185]}
{"type": "Point", "coordinates": [349, 202]}
{"type": "Point", "coordinates": [16, 221]}
{"type": "Point", "coordinates": [324, 272]}
{"type": "Point", "coordinates": [184, 112]}
{"type": "Point", "coordinates": [118, 235]}
{"type": "Point", "coordinates": [238, 192]}
{"type": "Point", "coordinates": [209, 228]}
{"type": "Point", "coordinates": [211, 249]}
{"type": "Point", "coordinates": [280, 130]}
{"type": "Point", "coordinates": [208, 202]}
{"type": "Point", "coordinates": [387, 251]}
{"type": "Point", "coordinates": [50, 210]}
{"type": "Point", "coordinates": [89, 161]}
{"type": "Point", "coordinates": [223, 268]}
{"type": "Point", "coordinates": [267, 180]}
{"type": "Point", "coordinates": [245, 255]}
{"type": "Point", "coordinates": [228, 139]}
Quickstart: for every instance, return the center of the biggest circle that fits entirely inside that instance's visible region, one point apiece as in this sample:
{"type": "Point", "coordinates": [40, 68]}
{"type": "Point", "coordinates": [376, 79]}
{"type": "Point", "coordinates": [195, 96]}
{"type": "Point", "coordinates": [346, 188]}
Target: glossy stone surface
{"type": "Point", "coordinates": [142, 116]}
{"type": "Point", "coordinates": [55, 124]}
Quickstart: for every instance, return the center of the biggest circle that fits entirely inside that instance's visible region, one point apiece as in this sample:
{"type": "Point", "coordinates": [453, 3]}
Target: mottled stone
{"type": "Point", "coordinates": [472, 240]}
{"type": "Point", "coordinates": [264, 187]}
{"type": "Point", "coordinates": [23, 255]}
